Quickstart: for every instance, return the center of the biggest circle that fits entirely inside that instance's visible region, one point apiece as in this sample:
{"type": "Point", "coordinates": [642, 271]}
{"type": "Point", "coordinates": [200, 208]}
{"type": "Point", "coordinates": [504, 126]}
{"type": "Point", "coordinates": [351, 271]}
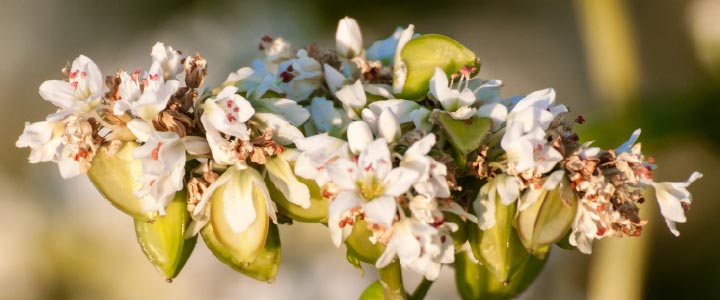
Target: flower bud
{"type": "Point", "coordinates": [265, 265]}
{"type": "Point", "coordinates": [475, 282]}
{"type": "Point", "coordinates": [163, 241]}
{"type": "Point", "coordinates": [289, 192]}
{"type": "Point", "coordinates": [114, 172]}
{"type": "Point", "coordinates": [348, 39]}
{"type": "Point", "coordinates": [239, 214]}
{"type": "Point", "coordinates": [548, 219]}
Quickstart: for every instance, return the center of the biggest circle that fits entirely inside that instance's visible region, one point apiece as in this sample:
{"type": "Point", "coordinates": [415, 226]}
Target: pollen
{"type": "Point", "coordinates": [156, 151]}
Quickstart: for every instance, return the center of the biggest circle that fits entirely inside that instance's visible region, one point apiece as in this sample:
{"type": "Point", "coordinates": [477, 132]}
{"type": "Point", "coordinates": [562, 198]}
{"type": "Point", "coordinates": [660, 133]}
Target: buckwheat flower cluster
{"type": "Point", "coordinates": [409, 159]}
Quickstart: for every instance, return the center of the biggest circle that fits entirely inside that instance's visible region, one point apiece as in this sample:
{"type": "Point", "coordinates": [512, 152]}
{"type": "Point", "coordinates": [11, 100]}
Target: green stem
{"type": "Point", "coordinates": [391, 280]}
{"type": "Point", "coordinates": [421, 290]}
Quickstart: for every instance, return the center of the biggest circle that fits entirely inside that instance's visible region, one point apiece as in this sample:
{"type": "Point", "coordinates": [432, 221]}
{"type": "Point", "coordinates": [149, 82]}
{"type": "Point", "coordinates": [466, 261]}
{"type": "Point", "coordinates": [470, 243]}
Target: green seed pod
{"type": "Point", "coordinates": [499, 248]}
{"type": "Point", "coordinates": [115, 177]}
{"type": "Point", "coordinates": [359, 243]}
{"type": "Point", "coordinates": [422, 55]}
{"type": "Point", "coordinates": [282, 184]}
{"type": "Point", "coordinates": [244, 189]}
{"type": "Point", "coordinates": [163, 241]}
{"type": "Point", "coordinates": [266, 263]}
{"type": "Point", "coordinates": [548, 219]}
{"type": "Point", "coordinates": [475, 282]}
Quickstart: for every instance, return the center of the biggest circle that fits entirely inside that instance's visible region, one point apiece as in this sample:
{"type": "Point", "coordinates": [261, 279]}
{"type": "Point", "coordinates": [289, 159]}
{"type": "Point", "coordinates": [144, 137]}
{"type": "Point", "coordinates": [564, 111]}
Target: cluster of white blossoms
{"type": "Point", "coordinates": [399, 149]}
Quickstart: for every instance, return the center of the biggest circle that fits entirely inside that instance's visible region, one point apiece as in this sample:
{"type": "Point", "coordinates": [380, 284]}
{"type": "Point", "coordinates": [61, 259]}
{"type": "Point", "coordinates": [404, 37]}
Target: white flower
{"type": "Point", "coordinates": [81, 93]}
{"type": "Point", "coordinates": [371, 184]}
{"type": "Point", "coordinates": [457, 103]}
{"type": "Point", "coordinates": [168, 60]}
{"type": "Point", "coordinates": [524, 139]}
{"type": "Point", "coordinates": [389, 126]}
{"type": "Point", "coordinates": [419, 246]}
{"type": "Point", "coordinates": [674, 199]}
{"type": "Point", "coordinates": [256, 81]}
{"type": "Point", "coordinates": [316, 152]}
{"type": "Point", "coordinates": [154, 98]}
{"type": "Point", "coordinates": [348, 39]}
{"type": "Point", "coordinates": [300, 77]}
{"type": "Point", "coordinates": [432, 181]}
{"type": "Point", "coordinates": [70, 142]}
{"type": "Point", "coordinates": [226, 113]}
{"type": "Point", "coordinates": [163, 163]}
{"type": "Point", "coordinates": [333, 78]}
{"type": "Point", "coordinates": [128, 91]}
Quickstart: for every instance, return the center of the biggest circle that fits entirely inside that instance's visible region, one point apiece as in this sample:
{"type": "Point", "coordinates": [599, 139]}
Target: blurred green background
{"type": "Point", "coordinates": [621, 64]}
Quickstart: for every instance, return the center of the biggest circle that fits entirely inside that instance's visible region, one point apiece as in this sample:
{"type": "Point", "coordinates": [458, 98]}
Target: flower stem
{"type": "Point", "coordinates": [391, 280]}
{"type": "Point", "coordinates": [421, 290]}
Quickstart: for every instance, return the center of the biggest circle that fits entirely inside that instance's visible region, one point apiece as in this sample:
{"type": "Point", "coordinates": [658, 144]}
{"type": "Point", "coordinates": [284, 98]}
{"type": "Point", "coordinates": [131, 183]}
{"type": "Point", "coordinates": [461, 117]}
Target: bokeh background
{"type": "Point", "coordinates": [621, 64]}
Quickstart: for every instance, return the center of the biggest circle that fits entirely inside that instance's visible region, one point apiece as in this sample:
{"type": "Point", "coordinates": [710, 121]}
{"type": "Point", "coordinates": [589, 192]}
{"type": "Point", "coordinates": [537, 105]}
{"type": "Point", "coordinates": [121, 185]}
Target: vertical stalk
{"type": "Point", "coordinates": [421, 290]}
{"type": "Point", "coordinates": [391, 280]}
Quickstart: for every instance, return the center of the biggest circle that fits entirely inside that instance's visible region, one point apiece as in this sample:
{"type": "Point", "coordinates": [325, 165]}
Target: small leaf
{"type": "Point", "coordinates": [359, 243]}
{"type": "Point", "coordinates": [265, 265]}
{"type": "Point", "coordinates": [423, 54]}
{"type": "Point", "coordinates": [243, 246]}
{"type": "Point", "coordinates": [374, 291]}
{"type": "Point", "coordinates": [115, 176]}
{"type": "Point", "coordinates": [464, 135]}
{"type": "Point", "coordinates": [162, 240]}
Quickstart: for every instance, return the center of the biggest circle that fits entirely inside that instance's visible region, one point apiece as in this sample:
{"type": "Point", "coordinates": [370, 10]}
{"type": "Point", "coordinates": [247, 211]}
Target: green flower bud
{"type": "Point", "coordinates": [229, 206]}
{"type": "Point", "coordinates": [421, 56]}
{"type": "Point", "coordinates": [265, 265]}
{"type": "Point", "coordinates": [475, 282]}
{"type": "Point", "coordinates": [162, 240]}
{"type": "Point", "coordinates": [499, 249]}
{"type": "Point", "coordinates": [359, 245]}
{"type": "Point", "coordinates": [115, 174]}
{"type": "Point", "coordinates": [549, 218]}
{"type": "Point", "coordinates": [283, 184]}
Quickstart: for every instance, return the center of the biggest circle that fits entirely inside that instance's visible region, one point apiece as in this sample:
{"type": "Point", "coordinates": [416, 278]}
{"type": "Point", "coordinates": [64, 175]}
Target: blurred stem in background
{"type": "Point", "coordinates": [617, 268]}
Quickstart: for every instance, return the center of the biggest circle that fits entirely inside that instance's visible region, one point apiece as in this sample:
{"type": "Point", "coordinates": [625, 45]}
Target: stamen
{"type": "Point", "coordinates": [156, 151]}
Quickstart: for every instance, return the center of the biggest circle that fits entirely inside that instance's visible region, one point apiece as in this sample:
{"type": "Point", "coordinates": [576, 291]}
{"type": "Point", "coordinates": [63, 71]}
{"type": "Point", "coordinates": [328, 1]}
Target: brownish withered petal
{"type": "Point", "coordinates": [195, 71]}
{"type": "Point", "coordinates": [113, 84]}
{"type": "Point", "coordinates": [171, 120]}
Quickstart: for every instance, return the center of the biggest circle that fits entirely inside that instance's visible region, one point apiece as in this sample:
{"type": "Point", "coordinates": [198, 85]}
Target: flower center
{"type": "Point", "coordinates": [370, 189]}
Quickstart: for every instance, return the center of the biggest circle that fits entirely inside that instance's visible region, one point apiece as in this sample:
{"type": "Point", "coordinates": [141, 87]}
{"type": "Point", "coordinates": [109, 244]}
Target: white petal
{"type": "Point", "coordinates": [359, 136]}
{"type": "Point", "coordinates": [140, 129]}
{"type": "Point", "coordinates": [196, 145]}
{"type": "Point", "coordinates": [343, 173]}
{"type": "Point", "coordinates": [382, 210]}
{"type": "Point", "coordinates": [333, 78]}
{"type": "Point", "coordinates": [626, 146]}
{"type": "Point", "coordinates": [389, 126]}
{"type": "Point", "coordinates": [238, 202]}
{"type": "Point", "coordinates": [288, 109]}
{"type": "Point", "coordinates": [495, 111]}
{"type": "Point", "coordinates": [343, 203]}
{"type": "Point", "coordinates": [352, 95]}
{"type": "Point", "coordinates": [283, 132]}
{"type": "Point", "coordinates": [485, 208]}
{"type": "Point", "coordinates": [58, 92]}
{"type": "Point", "coordinates": [285, 181]}
{"type": "Point", "coordinates": [399, 181]}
